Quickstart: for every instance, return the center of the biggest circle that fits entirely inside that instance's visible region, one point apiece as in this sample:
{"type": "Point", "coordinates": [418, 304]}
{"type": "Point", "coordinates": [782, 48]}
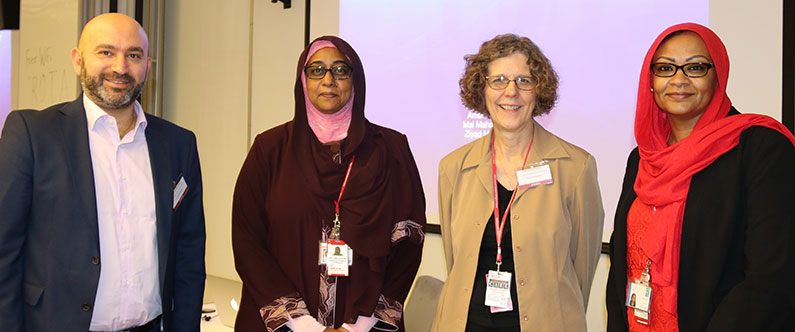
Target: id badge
{"type": "Point", "coordinates": [337, 258]}
{"type": "Point", "coordinates": [323, 250]}
{"type": "Point", "coordinates": [498, 290]}
{"type": "Point", "coordinates": [639, 296]}
{"type": "Point", "coordinates": [180, 189]}
{"type": "Point", "coordinates": [495, 309]}
{"type": "Point", "coordinates": [535, 175]}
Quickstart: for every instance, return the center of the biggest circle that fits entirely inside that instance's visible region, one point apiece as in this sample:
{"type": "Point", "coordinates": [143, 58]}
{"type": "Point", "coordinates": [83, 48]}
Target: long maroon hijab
{"type": "Point", "coordinates": [664, 172]}
{"type": "Point", "coordinates": [383, 188]}
{"type": "Point", "coordinates": [363, 207]}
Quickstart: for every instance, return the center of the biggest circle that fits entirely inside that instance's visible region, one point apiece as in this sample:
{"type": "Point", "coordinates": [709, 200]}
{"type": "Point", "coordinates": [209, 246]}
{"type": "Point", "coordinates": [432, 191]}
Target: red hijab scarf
{"type": "Point", "coordinates": [664, 172]}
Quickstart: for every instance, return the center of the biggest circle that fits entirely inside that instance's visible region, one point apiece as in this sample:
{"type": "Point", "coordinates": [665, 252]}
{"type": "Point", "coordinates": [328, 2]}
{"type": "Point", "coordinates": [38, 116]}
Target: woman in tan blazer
{"type": "Point", "coordinates": [550, 208]}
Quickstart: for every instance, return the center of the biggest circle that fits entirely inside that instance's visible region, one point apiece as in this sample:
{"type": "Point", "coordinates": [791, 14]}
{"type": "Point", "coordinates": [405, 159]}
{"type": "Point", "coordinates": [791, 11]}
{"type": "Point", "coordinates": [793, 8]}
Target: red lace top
{"type": "Point", "coordinates": [659, 319]}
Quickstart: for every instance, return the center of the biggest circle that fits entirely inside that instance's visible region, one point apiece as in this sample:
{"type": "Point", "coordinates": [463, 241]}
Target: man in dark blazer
{"type": "Point", "coordinates": [101, 215]}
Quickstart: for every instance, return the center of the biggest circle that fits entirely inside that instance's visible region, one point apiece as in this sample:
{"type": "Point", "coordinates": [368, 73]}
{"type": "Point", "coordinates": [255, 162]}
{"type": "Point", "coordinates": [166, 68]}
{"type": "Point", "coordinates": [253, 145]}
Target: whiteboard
{"type": "Point", "coordinates": [49, 29]}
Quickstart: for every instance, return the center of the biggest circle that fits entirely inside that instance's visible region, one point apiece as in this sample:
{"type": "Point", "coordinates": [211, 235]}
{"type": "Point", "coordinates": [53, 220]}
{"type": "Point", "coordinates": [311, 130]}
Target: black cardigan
{"type": "Point", "coordinates": [737, 259]}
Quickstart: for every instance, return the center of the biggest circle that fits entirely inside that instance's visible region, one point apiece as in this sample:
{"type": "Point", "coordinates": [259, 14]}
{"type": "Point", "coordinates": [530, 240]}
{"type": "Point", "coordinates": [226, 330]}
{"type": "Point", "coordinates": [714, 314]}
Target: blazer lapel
{"type": "Point", "coordinates": [159, 157]}
{"type": "Point", "coordinates": [74, 134]}
{"type": "Point", "coordinates": [480, 158]}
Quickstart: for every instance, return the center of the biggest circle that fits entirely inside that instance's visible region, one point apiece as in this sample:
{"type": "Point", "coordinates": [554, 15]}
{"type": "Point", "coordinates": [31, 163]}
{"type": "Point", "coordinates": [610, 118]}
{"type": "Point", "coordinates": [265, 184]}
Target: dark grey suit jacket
{"type": "Point", "coordinates": [49, 238]}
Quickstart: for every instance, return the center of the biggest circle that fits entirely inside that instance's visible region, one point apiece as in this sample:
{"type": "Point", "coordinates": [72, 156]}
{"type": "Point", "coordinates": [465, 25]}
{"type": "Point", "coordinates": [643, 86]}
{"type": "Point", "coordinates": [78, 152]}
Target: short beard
{"type": "Point", "coordinates": [93, 87]}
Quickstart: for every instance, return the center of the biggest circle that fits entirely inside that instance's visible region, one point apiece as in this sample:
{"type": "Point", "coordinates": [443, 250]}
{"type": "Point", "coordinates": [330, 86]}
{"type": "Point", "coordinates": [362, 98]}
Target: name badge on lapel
{"type": "Point", "coordinates": [179, 191]}
{"type": "Point", "coordinates": [535, 175]}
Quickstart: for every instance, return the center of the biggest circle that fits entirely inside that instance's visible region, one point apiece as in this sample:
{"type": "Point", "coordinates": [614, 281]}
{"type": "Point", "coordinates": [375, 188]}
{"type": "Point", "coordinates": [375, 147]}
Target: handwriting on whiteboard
{"type": "Point", "coordinates": [46, 82]}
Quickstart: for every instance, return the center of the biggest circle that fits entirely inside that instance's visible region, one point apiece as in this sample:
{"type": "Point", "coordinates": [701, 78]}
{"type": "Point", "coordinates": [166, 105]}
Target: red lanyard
{"type": "Point", "coordinates": [336, 232]}
{"type": "Point", "coordinates": [499, 225]}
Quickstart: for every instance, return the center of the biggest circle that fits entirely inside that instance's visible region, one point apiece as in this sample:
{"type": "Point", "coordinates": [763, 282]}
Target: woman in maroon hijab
{"type": "Point", "coordinates": [704, 231]}
{"type": "Point", "coordinates": [329, 214]}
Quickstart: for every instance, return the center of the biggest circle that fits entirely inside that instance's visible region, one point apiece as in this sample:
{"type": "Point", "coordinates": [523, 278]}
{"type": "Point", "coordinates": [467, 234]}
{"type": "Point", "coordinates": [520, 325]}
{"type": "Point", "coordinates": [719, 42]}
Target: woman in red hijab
{"type": "Point", "coordinates": [705, 225]}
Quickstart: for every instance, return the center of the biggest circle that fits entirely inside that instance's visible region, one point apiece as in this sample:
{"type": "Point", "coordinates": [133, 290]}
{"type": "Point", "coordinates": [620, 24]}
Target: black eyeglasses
{"type": "Point", "coordinates": [501, 82]}
{"type": "Point", "coordinates": [692, 70]}
{"type": "Point", "coordinates": [338, 71]}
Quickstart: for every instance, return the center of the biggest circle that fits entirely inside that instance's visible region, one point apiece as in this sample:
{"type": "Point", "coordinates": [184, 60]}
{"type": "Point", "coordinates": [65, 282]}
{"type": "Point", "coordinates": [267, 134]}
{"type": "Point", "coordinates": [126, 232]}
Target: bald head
{"type": "Point", "coordinates": [112, 25]}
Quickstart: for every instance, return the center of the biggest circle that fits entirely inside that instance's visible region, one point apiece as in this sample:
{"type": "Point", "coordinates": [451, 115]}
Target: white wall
{"type": "Point", "coordinates": [206, 89]}
{"type": "Point", "coordinates": [277, 41]}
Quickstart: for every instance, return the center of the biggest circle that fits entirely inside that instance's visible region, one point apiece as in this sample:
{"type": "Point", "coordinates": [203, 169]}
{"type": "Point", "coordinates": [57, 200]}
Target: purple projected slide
{"type": "Point", "coordinates": [413, 58]}
{"type": "Point", "coordinates": [5, 76]}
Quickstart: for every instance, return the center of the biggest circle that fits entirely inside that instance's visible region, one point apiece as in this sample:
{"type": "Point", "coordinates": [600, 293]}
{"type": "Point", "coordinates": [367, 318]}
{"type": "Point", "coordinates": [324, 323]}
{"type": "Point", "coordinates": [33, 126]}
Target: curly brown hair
{"type": "Point", "coordinates": [473, 82]}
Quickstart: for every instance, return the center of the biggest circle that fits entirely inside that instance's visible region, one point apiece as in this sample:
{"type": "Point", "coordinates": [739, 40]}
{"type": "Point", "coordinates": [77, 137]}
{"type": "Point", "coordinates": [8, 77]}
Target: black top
{"type": "Point", "coordinates": [480, 317]}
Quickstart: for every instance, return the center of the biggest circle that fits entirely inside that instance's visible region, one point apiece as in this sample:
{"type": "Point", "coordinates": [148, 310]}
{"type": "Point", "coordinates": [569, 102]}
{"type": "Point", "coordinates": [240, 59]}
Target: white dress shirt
{"type": "Point", "coordinates": [128, 293]}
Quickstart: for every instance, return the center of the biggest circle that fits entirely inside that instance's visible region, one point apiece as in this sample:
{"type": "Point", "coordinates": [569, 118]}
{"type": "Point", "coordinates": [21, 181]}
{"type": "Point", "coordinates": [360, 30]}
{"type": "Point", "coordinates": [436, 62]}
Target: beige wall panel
{"type": "Point", "coordinates": [325, 18]}
{"type": "Point", "coordinates": [433, 261]}
{"type": "Point", "coordinates": [278, 39]}
{"type": "Point", "coordinates": [205, 89]}
{"type": "Point", "coordinates": [752, 32]}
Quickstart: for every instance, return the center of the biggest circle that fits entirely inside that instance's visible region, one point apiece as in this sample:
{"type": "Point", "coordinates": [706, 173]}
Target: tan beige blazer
{"type": "Point", "coordinates": [556, 231]}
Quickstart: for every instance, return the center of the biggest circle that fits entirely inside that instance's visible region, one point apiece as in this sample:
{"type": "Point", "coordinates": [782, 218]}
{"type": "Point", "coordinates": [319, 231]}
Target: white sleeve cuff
{"type": "Point", "coordinates": [305, 323]}
{"type": "Point", "coordinates": [363, 324]}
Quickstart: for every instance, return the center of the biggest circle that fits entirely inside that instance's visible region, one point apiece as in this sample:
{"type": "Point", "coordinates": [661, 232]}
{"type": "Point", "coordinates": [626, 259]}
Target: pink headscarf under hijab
{"type": "Point", "coordinates": [327, 127]}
